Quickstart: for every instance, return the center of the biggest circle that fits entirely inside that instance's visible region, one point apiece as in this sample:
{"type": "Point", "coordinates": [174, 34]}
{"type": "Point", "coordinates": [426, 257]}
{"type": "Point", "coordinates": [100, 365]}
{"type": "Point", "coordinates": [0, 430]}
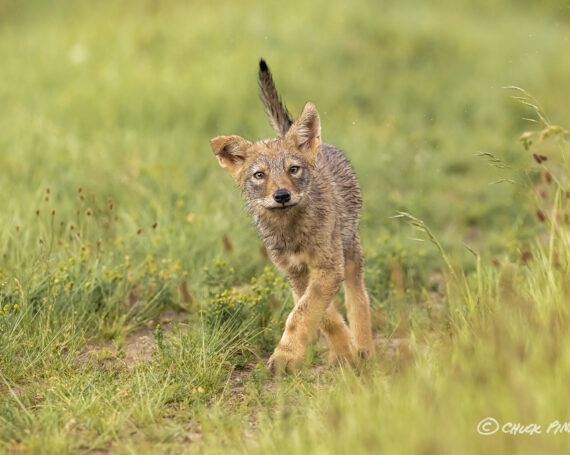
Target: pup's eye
{"type": "Point", "coordinates": [258, 175]}
{"type": "Point", "coordinates": [293, 169]}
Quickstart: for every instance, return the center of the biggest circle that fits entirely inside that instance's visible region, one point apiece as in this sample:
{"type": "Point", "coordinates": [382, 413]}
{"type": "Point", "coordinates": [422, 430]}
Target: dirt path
{"type": "Point", "coordinates": [137, 347]}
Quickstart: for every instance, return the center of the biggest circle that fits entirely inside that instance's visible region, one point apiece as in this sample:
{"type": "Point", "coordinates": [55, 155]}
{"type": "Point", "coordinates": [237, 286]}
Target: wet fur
{"type": "Point", "coordinates": [314, 238]}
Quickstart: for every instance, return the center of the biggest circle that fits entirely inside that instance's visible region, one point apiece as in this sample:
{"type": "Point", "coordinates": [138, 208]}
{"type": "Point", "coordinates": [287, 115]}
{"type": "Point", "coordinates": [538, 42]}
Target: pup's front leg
{"type": "Point", "coordinates": [303, 322]}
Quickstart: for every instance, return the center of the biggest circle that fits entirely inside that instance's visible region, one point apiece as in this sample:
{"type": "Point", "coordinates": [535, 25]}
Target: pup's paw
{"type": "Point", "coordinates": [284, 362]}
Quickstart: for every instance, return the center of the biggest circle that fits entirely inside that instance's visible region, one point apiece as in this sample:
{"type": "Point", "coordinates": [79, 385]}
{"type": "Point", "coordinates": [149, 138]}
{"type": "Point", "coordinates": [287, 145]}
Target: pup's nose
{"type": "Point", "coordinates": [282, 196]}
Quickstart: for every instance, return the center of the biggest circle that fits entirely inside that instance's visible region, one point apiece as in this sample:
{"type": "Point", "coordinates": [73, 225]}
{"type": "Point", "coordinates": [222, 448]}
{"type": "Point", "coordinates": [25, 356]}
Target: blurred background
{"type": "Point", "coordinates": [122, 99]}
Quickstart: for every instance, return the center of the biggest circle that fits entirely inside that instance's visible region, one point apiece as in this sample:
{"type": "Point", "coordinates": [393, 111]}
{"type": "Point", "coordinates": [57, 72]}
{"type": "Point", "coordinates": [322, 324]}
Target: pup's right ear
{"type": "Point", "coordinates": [231, 152]}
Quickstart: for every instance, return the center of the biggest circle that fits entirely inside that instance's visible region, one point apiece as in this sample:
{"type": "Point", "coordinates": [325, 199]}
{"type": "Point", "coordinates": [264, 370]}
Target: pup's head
{"type": "Point", "coordinates": [275, 174]}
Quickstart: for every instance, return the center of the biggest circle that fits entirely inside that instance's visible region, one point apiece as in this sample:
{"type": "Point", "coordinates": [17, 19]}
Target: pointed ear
{"type": "Point", "coordinates": [231, 152]}
{"type": "Point", "coordinates": [306, 131]}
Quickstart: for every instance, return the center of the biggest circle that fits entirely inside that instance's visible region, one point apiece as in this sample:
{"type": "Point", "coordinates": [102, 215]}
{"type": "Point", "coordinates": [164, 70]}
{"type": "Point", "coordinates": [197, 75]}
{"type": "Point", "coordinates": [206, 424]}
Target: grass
{"type": "Point", "coordinates": [137, 305]}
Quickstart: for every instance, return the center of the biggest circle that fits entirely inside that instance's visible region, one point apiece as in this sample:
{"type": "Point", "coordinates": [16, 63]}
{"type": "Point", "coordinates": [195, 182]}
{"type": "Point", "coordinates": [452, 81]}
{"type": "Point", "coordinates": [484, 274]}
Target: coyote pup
{"type": "Point", "coordinates": [305, 201]}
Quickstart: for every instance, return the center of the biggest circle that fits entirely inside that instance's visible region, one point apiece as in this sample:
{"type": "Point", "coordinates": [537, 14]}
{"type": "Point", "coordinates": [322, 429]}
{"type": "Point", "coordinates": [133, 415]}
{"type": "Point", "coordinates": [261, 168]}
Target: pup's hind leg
{"type": "Point", "coordinates": [356, 300]}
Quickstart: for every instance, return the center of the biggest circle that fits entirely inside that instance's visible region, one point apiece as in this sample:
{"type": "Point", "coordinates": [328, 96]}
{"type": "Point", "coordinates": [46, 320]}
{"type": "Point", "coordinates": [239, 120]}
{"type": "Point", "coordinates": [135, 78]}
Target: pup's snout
{"type": "Point", "coordinates": [282, 196]}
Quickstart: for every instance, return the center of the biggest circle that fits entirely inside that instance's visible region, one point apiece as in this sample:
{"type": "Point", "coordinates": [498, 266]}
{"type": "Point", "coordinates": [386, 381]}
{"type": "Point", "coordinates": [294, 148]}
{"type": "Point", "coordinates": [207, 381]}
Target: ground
{"type": "Point", "coordinates": [138, 306]}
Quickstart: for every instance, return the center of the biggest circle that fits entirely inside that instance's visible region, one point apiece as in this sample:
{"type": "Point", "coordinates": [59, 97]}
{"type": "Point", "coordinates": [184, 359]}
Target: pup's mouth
{"type": "Point", "coordinates": [282, 207]}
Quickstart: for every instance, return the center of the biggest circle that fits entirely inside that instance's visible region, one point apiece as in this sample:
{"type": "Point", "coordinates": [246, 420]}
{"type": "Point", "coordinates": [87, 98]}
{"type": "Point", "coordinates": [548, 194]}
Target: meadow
{"type": "Point", "coordinates": [137, 305]}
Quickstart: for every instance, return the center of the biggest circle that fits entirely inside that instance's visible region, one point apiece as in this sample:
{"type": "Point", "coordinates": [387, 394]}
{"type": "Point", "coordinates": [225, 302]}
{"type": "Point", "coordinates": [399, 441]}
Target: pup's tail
{"type": "Point", "coordinates": [279, 116]}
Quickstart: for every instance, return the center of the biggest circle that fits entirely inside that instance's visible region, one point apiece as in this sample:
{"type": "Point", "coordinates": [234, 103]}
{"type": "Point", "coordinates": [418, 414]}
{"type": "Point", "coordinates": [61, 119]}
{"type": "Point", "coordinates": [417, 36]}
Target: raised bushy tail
{"type": "Point", "coordinates": [279, 116]}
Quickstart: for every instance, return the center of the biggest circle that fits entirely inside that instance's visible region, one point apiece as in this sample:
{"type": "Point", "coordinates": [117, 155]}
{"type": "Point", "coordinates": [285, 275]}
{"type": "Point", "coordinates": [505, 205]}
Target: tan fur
{"type": "Point", "coordinates": [313, 235]}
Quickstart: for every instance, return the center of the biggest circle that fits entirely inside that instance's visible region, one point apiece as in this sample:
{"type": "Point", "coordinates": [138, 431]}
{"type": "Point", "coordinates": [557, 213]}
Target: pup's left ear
{"type": "Point", "coordinates": [306, 131]}
{"type": "Point", "coordinates": [231, 152]}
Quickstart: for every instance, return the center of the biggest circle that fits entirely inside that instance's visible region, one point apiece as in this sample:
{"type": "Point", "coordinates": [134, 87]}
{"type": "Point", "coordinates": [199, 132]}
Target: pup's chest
{"type": "Point", "coordinates": [287, 240]}
{"type": "Point", "coordinates": [289, 246]}
{"type": "Point", "coordinates": [295, 261]}
{"type": "Point", "coordinates": [291, 262]}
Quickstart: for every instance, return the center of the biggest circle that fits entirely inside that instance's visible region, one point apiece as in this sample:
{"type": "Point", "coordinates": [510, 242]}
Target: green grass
{"type": "Point", "coordinates": [137, 306]}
